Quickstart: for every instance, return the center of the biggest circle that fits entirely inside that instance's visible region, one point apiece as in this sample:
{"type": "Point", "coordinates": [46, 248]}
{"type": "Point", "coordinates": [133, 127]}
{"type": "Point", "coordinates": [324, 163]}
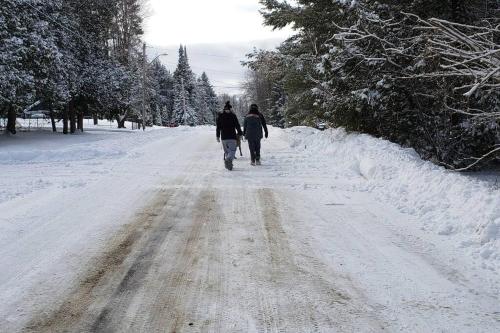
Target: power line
{"type": "Point", "coordinates": [222, 82]}
{"type": "Point", "coordinates": [216, 86]}
{"type": "Point", "coordinates": [227, 87]}
{"type": "Point", "coordinates": [198, 53]}
{"type": "Point", "coordinates": [215, 55]}
{"type": "Point", "coordinates": [207, 69]}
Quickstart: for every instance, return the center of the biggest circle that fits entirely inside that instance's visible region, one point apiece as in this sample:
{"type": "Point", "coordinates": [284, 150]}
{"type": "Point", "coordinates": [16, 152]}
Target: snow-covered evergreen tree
{"type": "Point", "coordinates": [421, 73]}
{"type": "Point", "coordinates": [195, 101]}
{"type": "Point", "coordinates": [28, 54]}
{"type": "Point", "coordinates": [206, 101]}
{"type": "Point", "coordinates": [184, 91]}
{"type": "Point", "coordinates": [184, 112]}
{"type": "Point", "coordinates": [54, 53]}
{"type": "Point", "coordinates": [79, 58]}
{"type": "Point", "coordinates": [160, 93]}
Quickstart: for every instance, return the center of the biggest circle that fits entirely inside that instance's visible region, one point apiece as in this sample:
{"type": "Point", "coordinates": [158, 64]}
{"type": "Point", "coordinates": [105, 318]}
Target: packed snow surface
{"type": "Point", "coordinates": [128, 230]}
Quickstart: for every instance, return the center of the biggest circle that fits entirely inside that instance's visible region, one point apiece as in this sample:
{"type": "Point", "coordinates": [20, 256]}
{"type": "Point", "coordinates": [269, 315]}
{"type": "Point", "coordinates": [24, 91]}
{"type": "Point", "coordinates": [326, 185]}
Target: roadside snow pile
{"type": "Point", "coordinates": [447, 203]}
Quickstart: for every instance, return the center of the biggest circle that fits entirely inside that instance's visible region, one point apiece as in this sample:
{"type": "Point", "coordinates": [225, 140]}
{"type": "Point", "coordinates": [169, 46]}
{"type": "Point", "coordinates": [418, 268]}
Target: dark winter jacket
{"type": "Point", "coordinates": [228, 126]}
{"type": "Point", "coordinates": [252, 126]}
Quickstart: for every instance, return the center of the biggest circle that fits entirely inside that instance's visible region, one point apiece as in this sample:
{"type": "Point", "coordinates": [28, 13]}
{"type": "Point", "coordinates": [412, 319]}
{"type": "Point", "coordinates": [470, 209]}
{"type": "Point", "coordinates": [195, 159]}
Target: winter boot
{"type": "Point", "coordinates": [258, 162]}
{"type": "Point", "coordinates": [252, 163]}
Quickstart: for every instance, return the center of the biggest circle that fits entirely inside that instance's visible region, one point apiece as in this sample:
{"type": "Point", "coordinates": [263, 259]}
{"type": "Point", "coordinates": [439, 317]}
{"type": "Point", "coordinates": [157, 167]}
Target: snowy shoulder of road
{"type": "Point", "coordinates": [463, 209]}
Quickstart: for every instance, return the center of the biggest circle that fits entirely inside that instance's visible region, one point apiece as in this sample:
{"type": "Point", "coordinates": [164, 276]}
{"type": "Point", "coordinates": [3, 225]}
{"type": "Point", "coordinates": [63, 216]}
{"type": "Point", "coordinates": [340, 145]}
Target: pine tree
{"type": "Point", "coordinates": [184, 113]}
{"type": "Point", "coordinates": [160, 93]}
{"type": "Point", "coordinates": [184, 91]}
{"type": "Point", "coordinates": [207, 101]}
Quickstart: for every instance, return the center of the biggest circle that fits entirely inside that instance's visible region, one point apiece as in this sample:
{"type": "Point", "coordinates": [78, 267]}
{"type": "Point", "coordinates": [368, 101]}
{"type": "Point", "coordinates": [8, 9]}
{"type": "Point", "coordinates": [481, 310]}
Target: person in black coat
{"type": "Point", "coordinates": [252, 129]}
{"type": "Point", "coordinates": [229, 131]}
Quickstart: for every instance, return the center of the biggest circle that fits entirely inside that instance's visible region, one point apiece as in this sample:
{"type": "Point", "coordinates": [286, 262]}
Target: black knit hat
{"type": "Point", "coordinates": [254, 109]}
{"type": "Point", "coordinates": [228, 106]}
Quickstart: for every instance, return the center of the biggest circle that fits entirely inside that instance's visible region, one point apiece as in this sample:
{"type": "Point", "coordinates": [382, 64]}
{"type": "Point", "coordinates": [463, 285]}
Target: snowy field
{"type": "Point", "coordinates": [126, 230]}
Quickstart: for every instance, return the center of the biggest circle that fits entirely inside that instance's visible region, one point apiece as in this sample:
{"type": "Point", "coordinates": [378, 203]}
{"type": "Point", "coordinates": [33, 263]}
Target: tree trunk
{"type": "Point", "coordinates": [121, 121]}
{"type": "Point", "coordinates": [80, 122]}
{"type": "Point", "coordinates": [11, 120]}
{"type": "Point", "coordinates": [72, 117]}
{"type": "Point", "coordinates": [53, 121]}
{"type": "Point", "coordinates": [96, 120]}
{"type": "Point", "coordinates": [81, 115]}
{"type": "Point", "coordinates": [78, 125]}
{"type": "Point", "coordinates": [65, 119]}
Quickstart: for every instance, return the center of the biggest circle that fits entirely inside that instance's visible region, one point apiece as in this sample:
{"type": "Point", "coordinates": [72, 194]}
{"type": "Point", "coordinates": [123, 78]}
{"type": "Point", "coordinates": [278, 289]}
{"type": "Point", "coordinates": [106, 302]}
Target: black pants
{"type": "Point", "coordinates": [254, 146]}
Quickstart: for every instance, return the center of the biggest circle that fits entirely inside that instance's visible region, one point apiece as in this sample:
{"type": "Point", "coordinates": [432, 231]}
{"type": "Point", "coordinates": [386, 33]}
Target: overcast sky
{"type": "Point", "coordinates": [200, 21]}
{"type": "Point", "coordinates": [217, 33]}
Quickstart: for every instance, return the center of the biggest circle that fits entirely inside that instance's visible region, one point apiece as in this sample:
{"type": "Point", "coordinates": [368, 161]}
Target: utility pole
{"type": "Point", "coordinates": [144, 68]}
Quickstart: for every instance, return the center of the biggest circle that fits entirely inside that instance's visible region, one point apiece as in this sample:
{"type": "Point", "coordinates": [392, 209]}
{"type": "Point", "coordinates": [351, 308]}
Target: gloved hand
{"type": "Point", "coordinates": [218, 140]}
{"type": "Point", "coordinates": [267, 135]}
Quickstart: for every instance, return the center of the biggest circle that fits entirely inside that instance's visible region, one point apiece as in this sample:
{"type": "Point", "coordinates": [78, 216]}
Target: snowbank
{"type": "Point", "coordinates": [450, 204]}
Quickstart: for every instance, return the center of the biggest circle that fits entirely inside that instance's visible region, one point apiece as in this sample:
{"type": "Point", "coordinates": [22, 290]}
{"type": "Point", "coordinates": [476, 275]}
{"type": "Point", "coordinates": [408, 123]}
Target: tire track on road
{"type": "Point", "coordinates": [103, 271]}
{"type": "Point", "coordinates": [113, 314]}
{"type": "Point", "coordinates": [192, 283]}
{"type": "Point", "coordinates": [301, 295]}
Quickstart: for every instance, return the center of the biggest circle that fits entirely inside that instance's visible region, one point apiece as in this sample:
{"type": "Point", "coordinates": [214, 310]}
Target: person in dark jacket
{"type": "Point", "coordinates": [252, 129]}
{"type": "Point", "coordinates": [229, 131]}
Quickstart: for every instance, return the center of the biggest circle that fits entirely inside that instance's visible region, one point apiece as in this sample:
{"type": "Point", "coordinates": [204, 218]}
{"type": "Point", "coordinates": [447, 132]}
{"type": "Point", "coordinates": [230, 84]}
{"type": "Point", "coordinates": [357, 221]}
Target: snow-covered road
{"type": "Point", "coordinates": [163, 239]}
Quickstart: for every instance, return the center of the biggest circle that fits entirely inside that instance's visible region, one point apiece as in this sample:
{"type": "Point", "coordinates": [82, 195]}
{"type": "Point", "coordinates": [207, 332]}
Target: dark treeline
{"type": "Point", "coordinates": [422, 73]}
{"type": "Point", "coordinates": [78, 59]}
